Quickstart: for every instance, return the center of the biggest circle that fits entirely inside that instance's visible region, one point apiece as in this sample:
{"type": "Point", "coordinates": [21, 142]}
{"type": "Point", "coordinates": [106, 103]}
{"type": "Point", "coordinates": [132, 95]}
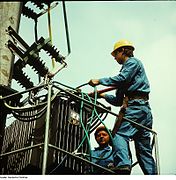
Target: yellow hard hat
{"type": "Point", "coordinates": [121, 43]}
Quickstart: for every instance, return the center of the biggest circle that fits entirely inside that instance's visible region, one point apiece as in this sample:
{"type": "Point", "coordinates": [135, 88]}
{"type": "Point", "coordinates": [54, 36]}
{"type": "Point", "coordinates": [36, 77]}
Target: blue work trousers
{"type": "Point", "coordinates": [140, 112]}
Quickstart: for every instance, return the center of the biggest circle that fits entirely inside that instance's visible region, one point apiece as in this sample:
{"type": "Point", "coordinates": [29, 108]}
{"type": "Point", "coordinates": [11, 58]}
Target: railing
{"type": "Point", "coordinates": [46, 146]}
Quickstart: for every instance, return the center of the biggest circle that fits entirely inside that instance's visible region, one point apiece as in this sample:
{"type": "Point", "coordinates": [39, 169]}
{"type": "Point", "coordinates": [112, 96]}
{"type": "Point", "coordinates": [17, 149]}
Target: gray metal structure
{"type": "Point", "coordinates": [51, 143]}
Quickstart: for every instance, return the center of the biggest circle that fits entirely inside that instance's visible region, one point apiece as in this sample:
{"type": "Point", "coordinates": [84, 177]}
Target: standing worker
{"type": "Point", "coordinates": [132, 93]}
{"type": "Point", "coordinates": [102, 155]}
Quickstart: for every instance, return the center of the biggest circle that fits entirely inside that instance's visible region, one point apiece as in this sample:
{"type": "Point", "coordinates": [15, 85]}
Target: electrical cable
{"type": "Point", "coordinates": [33, 107]}
{"type": "Point", "coordinates": [81, 121]}
{"type": "Point", "coordinates": [17, 112]}
{"type": "Point", "coordinates": [82, 85]}
{"type": "Point", "coordinates": [28, 117]}
{"type": "Point", "coordinates": [94, 110]}
{"type": "Point", "coordinates": [109, 135]}
{"type": "Point", "coordinates": [66, 28]}
{"type": "Point", "coordinates": [104, 125]}
{"type": "Point", "coordinates": [87, 131]}
{"type": "Point", "coordinates": [29, 120]}
{"type": "Point", "coordinates": [89, 123]}
{"type": "Point", "coordinates": [93, 106]}
{"type": "Point", "coordinates": [50, 32]}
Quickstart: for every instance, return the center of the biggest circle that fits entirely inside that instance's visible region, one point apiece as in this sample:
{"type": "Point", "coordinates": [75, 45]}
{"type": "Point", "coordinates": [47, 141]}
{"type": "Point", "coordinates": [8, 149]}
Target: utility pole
{"type": "Point", "coordinates": [10, 13]}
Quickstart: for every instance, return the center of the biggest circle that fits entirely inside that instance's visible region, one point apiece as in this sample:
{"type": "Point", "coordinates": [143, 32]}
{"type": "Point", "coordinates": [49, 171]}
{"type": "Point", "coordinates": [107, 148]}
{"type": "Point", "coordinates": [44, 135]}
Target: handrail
{"type": "Point", "coordinates": [46, 145]}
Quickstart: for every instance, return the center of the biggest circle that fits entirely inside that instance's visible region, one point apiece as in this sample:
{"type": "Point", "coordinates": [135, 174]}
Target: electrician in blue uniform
{"type": "Point", "coordinates": [132, 82]}
{"type": "Point", "coordinates": [102, 155]}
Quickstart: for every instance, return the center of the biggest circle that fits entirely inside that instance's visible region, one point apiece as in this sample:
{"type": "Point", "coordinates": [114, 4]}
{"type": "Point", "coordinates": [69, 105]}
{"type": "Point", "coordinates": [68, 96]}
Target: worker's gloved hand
{"type": "Point", "coordinates": [94, 82]}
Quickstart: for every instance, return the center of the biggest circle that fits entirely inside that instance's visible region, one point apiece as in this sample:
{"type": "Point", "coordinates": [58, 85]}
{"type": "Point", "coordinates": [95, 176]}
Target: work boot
{"type": "Point", "coordinates": [122, 170]}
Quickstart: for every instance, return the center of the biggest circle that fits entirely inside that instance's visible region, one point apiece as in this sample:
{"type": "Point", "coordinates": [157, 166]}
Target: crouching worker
{"type": "Point", "coordinates": [102, 155]}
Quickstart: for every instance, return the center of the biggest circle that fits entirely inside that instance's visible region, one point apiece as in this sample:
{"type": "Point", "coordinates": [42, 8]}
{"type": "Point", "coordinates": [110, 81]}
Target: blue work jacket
{"type": "Point", "coordinates": [99, 153]}
{"type": "Point", "coordinates": [132, 76]}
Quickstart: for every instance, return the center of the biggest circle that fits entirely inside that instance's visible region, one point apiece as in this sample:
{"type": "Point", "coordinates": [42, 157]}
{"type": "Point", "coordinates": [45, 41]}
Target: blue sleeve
{"type": "Point", "coordinates": [126, 74]}
{"type": "Point", "coordinates": [111, 99]}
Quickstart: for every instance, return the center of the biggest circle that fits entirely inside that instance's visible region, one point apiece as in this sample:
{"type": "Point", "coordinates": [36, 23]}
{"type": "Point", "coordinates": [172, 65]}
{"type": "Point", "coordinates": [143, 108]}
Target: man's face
{"type": "Point", "coordinates": [119, 57]}
{"type": "Point", "coordinates": [102, 138]}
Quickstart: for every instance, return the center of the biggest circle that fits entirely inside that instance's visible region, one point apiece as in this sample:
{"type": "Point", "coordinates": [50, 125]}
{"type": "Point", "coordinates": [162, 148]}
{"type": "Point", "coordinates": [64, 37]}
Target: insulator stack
{"type": "Point", "coordinates": [22, 78]}
{"type": "Point", "coordinates": [37, 64]}
{"type": "Point", "coordinates": [38, 4]}
{"type": "Point", "coordinates": [28, 56]}
{"type": "Point", "coordinates": [29, 13]}
{"type": "Point", "coordinates": [52, 50]}
{"type": "Point", "coordinates": [19, 64]}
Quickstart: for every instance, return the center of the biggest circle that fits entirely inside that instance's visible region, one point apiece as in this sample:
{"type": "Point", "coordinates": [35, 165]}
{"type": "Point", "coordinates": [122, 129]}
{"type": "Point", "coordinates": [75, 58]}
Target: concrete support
{"type": "Point", "coordinates": [10, 13]}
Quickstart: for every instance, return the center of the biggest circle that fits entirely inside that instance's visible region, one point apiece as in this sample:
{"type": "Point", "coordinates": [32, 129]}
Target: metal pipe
{"type": "Point", "coordinates": [19, 93]}
{"type": "Point", "coordinates": [46, 140]}
{"type": "Point", "coordinates": [21, 150]}
{"type": "Point", "coordinates": [82, 159]}
{"type": "Point", "coordinates": [157, 155]}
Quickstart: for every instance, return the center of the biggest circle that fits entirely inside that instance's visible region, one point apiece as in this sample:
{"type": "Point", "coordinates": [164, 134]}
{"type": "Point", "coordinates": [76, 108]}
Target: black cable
{"type": "Point", "coordinates": [82, 85]}
{"type": "Point", "coordinates": [66, 27]}
{"type": "Point", "coordinates": [29, 118]}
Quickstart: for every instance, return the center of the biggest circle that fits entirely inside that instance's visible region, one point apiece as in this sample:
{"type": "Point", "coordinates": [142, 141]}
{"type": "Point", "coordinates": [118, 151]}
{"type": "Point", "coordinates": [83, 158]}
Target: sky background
{"type": "Point", "coordinates": [94, 27]}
